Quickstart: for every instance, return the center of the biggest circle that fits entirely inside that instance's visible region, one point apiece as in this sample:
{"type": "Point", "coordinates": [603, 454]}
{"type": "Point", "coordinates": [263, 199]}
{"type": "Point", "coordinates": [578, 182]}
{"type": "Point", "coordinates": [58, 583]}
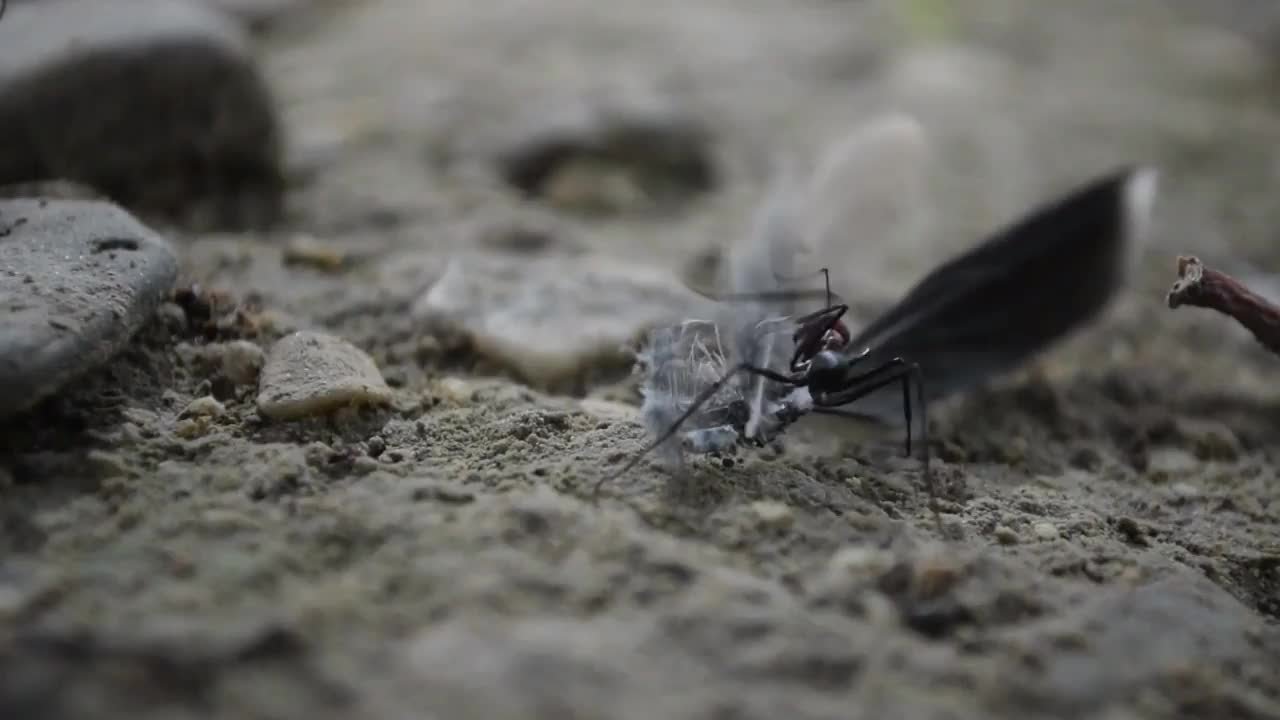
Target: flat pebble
{"type": "Point", "coordinates": [773, 514]}
{"type": "Point", "coordinates": [1045, 531]}
{"type": "Point", "coordinates": [311, 373]}
{"type": "Point", "coordinates": [159, 104]}
{"type": "Point", "coordinates": [242, 361]}
{"type": "Point", "coordinates": [205, 406]}
{"type": "Point", "coordinates": [77, 279]}
{"type": "Point", "coordinates": [861, 561]}
{"type": "Point", "coordinates": [550, 319]}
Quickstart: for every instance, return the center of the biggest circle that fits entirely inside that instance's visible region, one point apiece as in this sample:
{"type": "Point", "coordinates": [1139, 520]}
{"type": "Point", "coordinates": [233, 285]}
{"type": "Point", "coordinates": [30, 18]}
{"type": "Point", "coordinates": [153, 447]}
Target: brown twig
{"type": "Point", "coordinates": [1199, 286]}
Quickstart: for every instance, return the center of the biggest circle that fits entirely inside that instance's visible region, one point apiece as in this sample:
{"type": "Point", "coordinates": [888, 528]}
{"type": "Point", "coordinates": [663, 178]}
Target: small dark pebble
{"type": "Point", "coordinates": [444, 494]}
{"type": "Point", "coordinates": [223, 389]}
{"type": "Point", "coordinates": [376, 445]}
{"type": "Point", "coordinates": [726, 462]}
{"type": "Point", "coordinates": [1132, 532]}
{"type": "Point", "coordinates": [1086, 459]}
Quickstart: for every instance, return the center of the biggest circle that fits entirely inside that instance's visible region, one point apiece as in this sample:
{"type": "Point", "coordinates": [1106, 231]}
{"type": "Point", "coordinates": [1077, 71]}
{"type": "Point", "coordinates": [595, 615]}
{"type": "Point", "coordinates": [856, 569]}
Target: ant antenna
{"type": "Point", "coordinates": [826, 276]}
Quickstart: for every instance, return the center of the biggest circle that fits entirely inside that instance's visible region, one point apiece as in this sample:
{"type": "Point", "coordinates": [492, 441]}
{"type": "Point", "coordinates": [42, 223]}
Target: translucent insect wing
{"type": "Point", "coordinates": [764, 260]}
{"type": "Point", "coordinates": [867, 188]}
{"type": "Point", "coordinates": [867, 203]}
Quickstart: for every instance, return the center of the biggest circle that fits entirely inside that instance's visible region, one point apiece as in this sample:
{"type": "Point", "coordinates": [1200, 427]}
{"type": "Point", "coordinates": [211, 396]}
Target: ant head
{"type": "Point", "coordinates": [834, 338]}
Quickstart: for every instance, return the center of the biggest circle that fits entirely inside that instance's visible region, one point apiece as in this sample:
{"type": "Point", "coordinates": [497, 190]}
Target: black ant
{"type": "Point", "coordinates": [984, 312]}
{"type": "Point", "coordinates": [832, 372]}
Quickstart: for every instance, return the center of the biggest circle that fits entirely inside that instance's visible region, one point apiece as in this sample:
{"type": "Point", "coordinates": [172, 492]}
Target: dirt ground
{"type": "Point", "coordinates": [1112, 543]}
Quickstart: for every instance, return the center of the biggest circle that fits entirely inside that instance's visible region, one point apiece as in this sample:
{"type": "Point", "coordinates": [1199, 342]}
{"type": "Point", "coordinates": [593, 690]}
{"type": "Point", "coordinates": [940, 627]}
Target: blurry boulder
{"type": "Point", "coordinates": [609, 155]}
{"type": "Point", "coordinates": [77, 280]}
{"type": "Point", "coordinates": [157, 104]}
{"type": "Point", "coordinates": [261, 15]}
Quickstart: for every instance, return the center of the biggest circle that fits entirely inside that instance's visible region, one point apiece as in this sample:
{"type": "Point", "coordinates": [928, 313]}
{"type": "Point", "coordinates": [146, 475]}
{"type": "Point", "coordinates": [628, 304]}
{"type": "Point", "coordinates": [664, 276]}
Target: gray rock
{"type": "Point", "coordinates": [77, 279]}
{"type": "Point", "coordinates": [156, 103]}
{"type": "Point", "coordinates": [311, 373]}
{"type": "Point", "coordinates": [552, 319]}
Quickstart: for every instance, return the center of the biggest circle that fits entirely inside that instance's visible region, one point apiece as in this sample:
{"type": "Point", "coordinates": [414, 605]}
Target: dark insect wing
{"type": "Point", "coordinates": [1024, 288]}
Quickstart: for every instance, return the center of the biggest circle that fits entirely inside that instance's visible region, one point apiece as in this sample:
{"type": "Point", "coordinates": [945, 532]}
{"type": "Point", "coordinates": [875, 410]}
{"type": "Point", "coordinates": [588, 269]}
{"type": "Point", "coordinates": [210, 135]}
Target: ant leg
{"type": "Point", "coordinates": [698, 401]}
{"type": "Point", "coordinates": [860, 386]}
{"type": "Point", "coordinates": [918, 376]}
{"type": "Point", "coordinates": [906, 408]}
{"type": "Point", "coordinates": [895, 370]}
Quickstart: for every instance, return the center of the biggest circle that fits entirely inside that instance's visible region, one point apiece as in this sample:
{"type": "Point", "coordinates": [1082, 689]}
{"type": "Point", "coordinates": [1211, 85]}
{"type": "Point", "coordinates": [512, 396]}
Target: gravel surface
{"type": "Point", "coordinates": [485, 203]}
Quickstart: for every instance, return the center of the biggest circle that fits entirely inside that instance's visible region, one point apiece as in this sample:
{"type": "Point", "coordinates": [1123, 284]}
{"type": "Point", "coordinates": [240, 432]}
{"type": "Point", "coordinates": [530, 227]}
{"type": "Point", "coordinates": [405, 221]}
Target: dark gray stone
{"type": "Point", "coordinates": [609, 155]}
{"type": "Point", "coordinates": [77, 279]}
{"type": "Point", "coordinates": [263, 15]}
{"type": "Point", "coordinates": [156, 103]}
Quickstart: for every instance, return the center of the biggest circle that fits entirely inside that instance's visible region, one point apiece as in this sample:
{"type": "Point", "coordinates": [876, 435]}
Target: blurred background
{"type": "Point", "coordinates": [487, 203]}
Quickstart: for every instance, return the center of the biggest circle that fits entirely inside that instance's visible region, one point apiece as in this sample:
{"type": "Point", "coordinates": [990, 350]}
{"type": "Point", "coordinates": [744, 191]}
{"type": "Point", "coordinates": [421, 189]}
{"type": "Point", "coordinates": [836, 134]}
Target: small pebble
{"type": "Point", "coordinates": [1171, 460]}
{"type": "Point", "coordinates": [456, 390]}
{"type": "Point", "coordinates": [105, 463]}
{"type": "Point", "coordinates": [935, 573]}
{"type": "Point", "coordinates": [363, 465]}
{"type": "Point", "coordinates": [1045, 531]}
{"type": "Point", "coordinates": [376, 446]}
{"type": "Point", "coordinates": [12, 600]}
{"type": "Point", "coordinates": [311, 373]}
{"type": "Point", "coordinates": [205, 406]}
{"type": "Point", "coordinates": [1006, 535]}
{"type": "Point", "coordinates": [879, 610]}
{"type": "Point", "coordinates": [860, 561]}
{"type": "Point", "coordinates": [1132, 531]}
{"type": "Point", "coordinates": [773, 514]}
{"type": "Point", "coordinates": [242, 361]}
{"type": "Point", "coordinates": [191, 428]}
{"type": "Point", "coordinates": [306, 250]}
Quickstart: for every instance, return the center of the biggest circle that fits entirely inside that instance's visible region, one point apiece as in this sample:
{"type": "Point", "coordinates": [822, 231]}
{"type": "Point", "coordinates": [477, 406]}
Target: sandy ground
{"type": "Point", "coordinates": [1113, 535]}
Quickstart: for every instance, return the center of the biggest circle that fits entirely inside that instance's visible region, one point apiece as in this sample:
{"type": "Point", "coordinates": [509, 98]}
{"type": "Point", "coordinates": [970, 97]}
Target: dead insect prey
{"type": "Point", "coordinates": [710, 384]}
